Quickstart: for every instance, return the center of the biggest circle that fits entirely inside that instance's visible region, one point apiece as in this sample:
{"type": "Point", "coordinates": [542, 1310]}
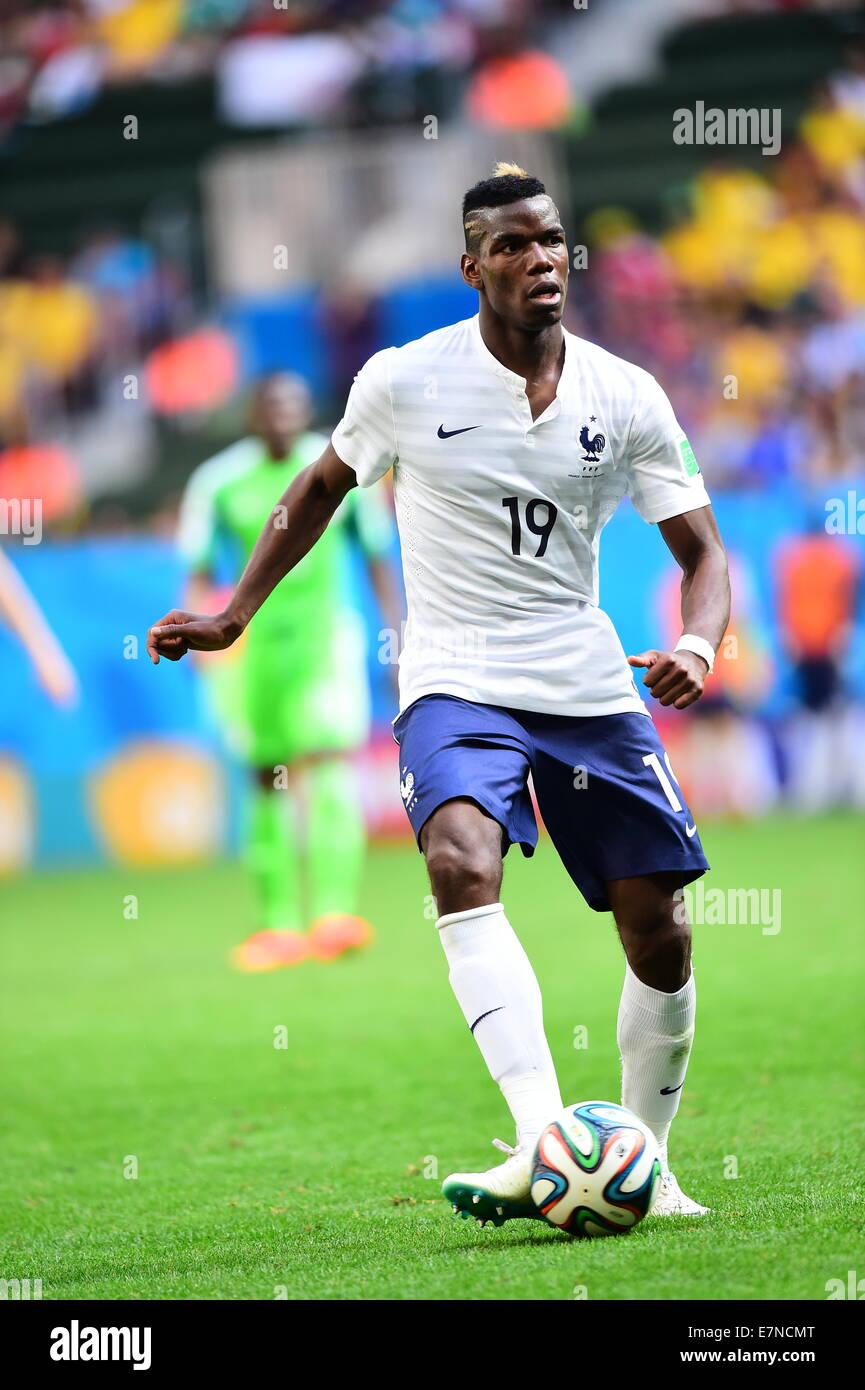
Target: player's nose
{"type": "Point", "coordinates": [540, 260]}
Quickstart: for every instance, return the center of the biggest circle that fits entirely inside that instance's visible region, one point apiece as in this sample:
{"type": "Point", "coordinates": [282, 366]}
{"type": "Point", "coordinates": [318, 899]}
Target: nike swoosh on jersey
{"type": "Point", "coordinates": [690, 831]}
{"type": "Point", "coordinates": [447, 434]}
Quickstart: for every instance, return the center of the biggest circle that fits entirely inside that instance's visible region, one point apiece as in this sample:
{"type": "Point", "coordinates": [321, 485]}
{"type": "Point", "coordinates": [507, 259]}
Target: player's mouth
{"type": "Point", "coordinates": [547, 291]}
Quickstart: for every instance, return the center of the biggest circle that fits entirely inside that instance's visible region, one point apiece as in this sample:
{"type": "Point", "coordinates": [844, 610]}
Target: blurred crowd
{"type": "Point", "coordinates": [751, 308]}
{"type": "Point", "coordinates": [64, 323]}
{"type": "Point", "coordinates": [279, 62]}
{"type": "Point", "coordinates": [296, 62]}
{"type": "Point", "coordinates": [71, 331]}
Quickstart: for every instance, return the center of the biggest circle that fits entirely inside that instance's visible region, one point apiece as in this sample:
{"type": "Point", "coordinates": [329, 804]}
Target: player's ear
{"type": "Point", "coordinates": [470, 270]}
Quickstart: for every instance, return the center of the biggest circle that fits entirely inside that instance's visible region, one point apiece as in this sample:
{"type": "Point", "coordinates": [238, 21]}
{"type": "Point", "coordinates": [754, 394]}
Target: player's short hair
{"type": "Point", "coordinates": [509, 184]}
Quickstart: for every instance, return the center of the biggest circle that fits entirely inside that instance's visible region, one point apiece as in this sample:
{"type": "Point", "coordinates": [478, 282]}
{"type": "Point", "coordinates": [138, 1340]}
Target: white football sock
{"type": "Point", "coordinates": [499, 995]}
{"type": "Point", "coordinates": [655, 1032]}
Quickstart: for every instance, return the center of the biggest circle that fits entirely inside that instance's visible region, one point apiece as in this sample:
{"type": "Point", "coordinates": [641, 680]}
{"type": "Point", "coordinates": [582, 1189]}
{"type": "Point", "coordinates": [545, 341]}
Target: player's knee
{"type": "Point", "coordinates": [656, 936]}
{"type": "Point", "coordinates": [463, 874]}
{"type": "Point", "coordinates": [660, 939]}
{"type": "Point", "coordinates": [660, 953]}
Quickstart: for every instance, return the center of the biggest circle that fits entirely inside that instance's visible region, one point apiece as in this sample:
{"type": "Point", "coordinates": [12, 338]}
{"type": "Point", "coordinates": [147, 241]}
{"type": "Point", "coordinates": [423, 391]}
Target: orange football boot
{"type": "Point", "coordinates": [271, 949]}
{"type": "Point", "coordinates": [337, 932]}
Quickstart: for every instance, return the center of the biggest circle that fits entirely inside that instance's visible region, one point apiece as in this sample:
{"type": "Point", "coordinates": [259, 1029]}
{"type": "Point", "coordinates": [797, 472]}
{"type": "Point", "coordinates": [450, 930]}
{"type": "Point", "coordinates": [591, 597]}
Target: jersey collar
{"type": "Point", "coordinates": [512, 378]}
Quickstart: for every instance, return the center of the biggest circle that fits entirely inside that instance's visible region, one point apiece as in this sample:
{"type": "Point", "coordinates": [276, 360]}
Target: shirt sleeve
{"type": "Point", "coordinates": [664, 478]}
{"type": "Point", "coordinates": [364, 438]}
{"type": "Point", "coordinates": [198, 522]}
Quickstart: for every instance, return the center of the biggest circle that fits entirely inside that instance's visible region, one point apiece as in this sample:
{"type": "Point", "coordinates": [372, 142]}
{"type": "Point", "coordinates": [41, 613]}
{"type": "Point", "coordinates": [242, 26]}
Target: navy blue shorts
{"type": "Point", "coordinates": [604, 786]}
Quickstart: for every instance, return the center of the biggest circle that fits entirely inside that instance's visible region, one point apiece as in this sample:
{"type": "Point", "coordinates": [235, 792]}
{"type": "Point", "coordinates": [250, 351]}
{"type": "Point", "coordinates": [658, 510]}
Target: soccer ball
{"type": "Point", "coordinates": [595, 1169]}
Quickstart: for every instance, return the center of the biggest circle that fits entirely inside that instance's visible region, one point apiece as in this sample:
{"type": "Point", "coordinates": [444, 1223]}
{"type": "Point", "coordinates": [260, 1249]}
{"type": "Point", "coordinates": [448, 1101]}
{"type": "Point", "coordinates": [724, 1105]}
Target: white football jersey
{"type": "Point", "coordinates": [500, 515]}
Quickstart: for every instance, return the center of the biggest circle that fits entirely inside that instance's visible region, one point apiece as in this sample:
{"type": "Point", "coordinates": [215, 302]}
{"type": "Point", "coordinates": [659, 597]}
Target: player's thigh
{"type": "Point", "coordinates": [612, 804]}
{"type": "Point", "coordinates": [463, 825]}
{"type": "Point", "coordinates": [464, 784]}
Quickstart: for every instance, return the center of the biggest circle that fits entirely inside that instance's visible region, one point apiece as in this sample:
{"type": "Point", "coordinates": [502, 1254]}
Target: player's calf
{"type": "Point", "coordinates": [655, 1025]}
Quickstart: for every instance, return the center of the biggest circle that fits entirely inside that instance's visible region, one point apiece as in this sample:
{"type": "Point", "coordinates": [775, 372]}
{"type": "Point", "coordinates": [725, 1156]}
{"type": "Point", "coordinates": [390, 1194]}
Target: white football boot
{"type": "Point", "coordinates": [498, 1195]}
{"type": "Point", "coordinates": [670, 1200]}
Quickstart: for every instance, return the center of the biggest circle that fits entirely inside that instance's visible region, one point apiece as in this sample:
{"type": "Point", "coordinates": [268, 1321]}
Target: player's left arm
{"type": "Point", "coordinates": [676, 678]}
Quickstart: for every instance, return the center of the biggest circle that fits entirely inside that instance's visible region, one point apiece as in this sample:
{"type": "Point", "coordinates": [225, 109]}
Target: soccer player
{"type": "Point", "coordinates": [512, 442]}
{"type": "Point", "coordinates": [303, 699]}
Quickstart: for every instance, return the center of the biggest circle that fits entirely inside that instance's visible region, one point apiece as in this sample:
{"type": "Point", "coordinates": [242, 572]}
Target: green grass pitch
{"type": "Point", "coordinates": [308, 1171]}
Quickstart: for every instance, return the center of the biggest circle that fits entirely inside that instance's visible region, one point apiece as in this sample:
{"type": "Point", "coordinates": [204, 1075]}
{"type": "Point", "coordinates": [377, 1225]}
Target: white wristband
{"type": "Point", "coordinates": [699, 646]}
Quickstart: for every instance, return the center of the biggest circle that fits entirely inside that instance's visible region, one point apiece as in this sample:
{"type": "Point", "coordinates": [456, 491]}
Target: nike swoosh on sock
{"type": "Point", "coordinates": [486, 1015]}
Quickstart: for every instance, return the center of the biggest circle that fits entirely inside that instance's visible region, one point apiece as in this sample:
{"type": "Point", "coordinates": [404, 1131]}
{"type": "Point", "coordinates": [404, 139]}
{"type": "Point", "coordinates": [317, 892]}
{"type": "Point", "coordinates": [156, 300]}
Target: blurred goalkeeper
{"type": "Point", "coordinates": [300, 707]}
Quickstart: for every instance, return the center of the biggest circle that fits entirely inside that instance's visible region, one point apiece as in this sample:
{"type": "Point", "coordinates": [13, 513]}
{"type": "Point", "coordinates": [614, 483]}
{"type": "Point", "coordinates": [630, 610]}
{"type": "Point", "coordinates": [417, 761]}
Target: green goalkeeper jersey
{"type": "Point", "coordinates": [226, 504]}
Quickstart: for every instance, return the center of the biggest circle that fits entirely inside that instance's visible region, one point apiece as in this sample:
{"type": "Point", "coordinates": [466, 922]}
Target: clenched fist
{"type": "Point", "coordinates": [178, 632]}
{"type": "Point", "coordinates": [673, 678]}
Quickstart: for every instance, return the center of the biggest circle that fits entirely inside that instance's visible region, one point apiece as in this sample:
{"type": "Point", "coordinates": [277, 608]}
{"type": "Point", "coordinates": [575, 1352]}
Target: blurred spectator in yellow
{"type": "Point", "coordinates": [769, 245]}
{"type": "Point", "coordinates": [56, 320]}
{"type": "Point", "coordinates": [781, 264]}
{"type": "Point", "coordinates": [136, 31]}
{"type": "Point", "coordinates": [734, 201]}
{"type": "Point", "coordinates": [700, 261]}
{"type": "Point", "coordinates": [13, 379]}
{"type": "Point", "coordinates": [14, 355]}
{"type": "Point", "coordinates": [834, 133]}
{"type": "Point", "coordinates": [730, 208]}
{"type": "Point", "coordinates": [752, 361]}
{"type": "Point", "coordinates": [837, 233]}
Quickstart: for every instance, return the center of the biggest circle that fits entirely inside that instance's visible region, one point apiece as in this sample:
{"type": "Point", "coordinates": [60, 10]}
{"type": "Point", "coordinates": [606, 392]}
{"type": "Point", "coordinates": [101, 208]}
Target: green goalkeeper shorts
{"type": "Point", "coordinates": [298, 694]}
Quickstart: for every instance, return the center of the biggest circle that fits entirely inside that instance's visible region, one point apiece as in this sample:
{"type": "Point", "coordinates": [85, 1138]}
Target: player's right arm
{"type": "Point", "coordinates": [297, 521]}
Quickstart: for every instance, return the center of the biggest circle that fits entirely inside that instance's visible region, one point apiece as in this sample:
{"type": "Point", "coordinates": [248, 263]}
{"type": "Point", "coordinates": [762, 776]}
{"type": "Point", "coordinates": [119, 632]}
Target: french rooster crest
{"type": "Point", "coordinates": [594, 445]}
